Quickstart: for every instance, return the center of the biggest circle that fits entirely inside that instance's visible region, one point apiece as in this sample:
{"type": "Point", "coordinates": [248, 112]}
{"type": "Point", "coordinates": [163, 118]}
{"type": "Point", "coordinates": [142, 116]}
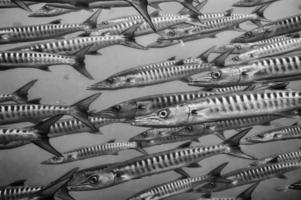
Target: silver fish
{"type": "Point", "coordinates": [49, 11]}
{"type": "Point", "coordinates": [279, 27]}
{"type": "Point", "coordinates": [44, 31]}
{"type": "Point", "coordinates": [248, 3]}
{"type": "Point", "coordinates": [177, 187]}
{"type": "Point", "coordinates": [42, 61]}
{"type": "Point", "coordinates": [20, 95]}
{"type": "Point", "coordinates": [69, 46]}
{"type": "Point", "coordinates": [224, 106]}
{"type": "Point", "coordinates": [15, 113]}
{"type": "Point", "coordinates": [155, 163]}
{"type": "Point", "coordinates": [17, 190]}
{"type": "Point", "coordinates": [269, 50]}
{"type": "Point", "coordinates": [109, 148]}
{"type": "Point", "coordinates": [249, 175]}
{"type": "Point", "coordinates": [278, 134]}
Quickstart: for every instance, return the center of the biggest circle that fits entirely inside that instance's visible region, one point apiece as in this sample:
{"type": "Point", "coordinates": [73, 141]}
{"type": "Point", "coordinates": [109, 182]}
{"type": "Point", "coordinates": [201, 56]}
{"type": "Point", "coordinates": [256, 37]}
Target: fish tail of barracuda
{"type": "Point", "coordinates": [259, 12]}
{"type": "Point", "coordinates": [80, 109]}
{"type": "Point", "coordinates": [138, 147]}
{"type": "Point", "coordinates": [234, 147]}
{"type": "Point", "coordinates": [129, 37]}
{"type": "Point", "coordinates": [79, 64]}
{"type": "Point", "coordinates": [21, 4]}
{"type": "Point", "coordinates": [91, 22]}
{"type": "Point", "coordinates": [21, 94]}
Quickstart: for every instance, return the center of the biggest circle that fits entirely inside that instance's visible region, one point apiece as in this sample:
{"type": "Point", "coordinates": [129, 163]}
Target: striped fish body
{"type": "Point", "coordinates": [160, 23]}
{"type": "Point", "coordinates": [252, 174]}
{"type": "Point", "coordinates": [275, 28]}
{"type": "Point", "coordinates": [117, 3]}
{"type": "Point", "coordinates": [70, 46]}
{"type": "Point", "coordinates": [169, 189]}
{"type": "Point", "coordinates": [278, 134]}
{"type": "Point", "coordinates": [18, 192]}
{"type": "Point", "coordinates": [15, 113]}
{"type": "Point", "coordinates": [10, 4]}
{"type": "Point", "coordinates": [225, 106]}
{"type": "Point", "coordinates": [38, 32]}
{"type": "Point", "coordinates": [153, 134]}
{"type": "Point", "coordinates": [110, 148]}
{"type": "Point", "coordinates": [284, 157]}
{"type": "Point", "coordinates": [239, 48]}
{"type": "Point", "coordinates": [150, 77]}
{"type": "Point", "coordinates": [269, 50]}
{"type": "Point", "coordinates": [24, 59]}
{"type": "Point", "coordinates": [49, 11]}
{"type": "Point", "coordinates": [7, 97]}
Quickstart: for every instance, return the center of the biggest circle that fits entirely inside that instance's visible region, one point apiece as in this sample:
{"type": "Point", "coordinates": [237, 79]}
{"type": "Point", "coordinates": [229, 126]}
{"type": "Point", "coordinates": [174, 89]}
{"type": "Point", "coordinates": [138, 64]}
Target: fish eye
{"type": "Point", "coordinates": [56, 158]}
{"type": "Point", "coordinates": [105, 22]}
{"type": "Point", "coordinates": [251, 55]}
{"type": "Point", "coordinates": [216, 75]}
{"type": "Point", "coordinates": [260, 136]}
{"type": "Point", "coordinates": [171, 33]}
{"type": "Point", "coordinates": [188, 128]}
{"type": "Point", "coordinates": [5, 36]}
{"type": "Point", "coordinates": [235, 58]}
{"type": "Point", "coordinates": [140, 107]}
{"type": "Point", "coordinates": [128, 80]}
{"type": "Point", "coordinates": [163, 114]}
{"type": "Point", "coordinates": [116, 108]}
{"type": "Point", "coordinates": [249, 34]}
{"type": "Point", "coordinates": [238, 47]}
{"type": "Point", "coordinates": [110, 80]}
{"type": "Point", "coordinates": [93, 180]}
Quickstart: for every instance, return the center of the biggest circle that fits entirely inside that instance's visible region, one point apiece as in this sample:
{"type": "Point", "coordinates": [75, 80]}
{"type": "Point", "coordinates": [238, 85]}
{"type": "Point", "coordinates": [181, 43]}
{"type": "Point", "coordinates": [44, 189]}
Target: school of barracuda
{"type": "Point", "coordinates": [245, 85]}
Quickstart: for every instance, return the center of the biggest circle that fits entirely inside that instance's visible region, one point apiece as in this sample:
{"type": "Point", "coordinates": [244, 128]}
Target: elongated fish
{"type": "Point", "coordinates": [248, 3]}
{"type": "Point", "coordinates": [45, 31]}
{"type": "Point", "coordinates": [279, 27]}
{"type": "Point", "coordinates": [42, 61]}
{"type": "Point", "coordinates": [14, 113]}
{"type": "Point", "coordinates": [249, 175]}
{"type": "Point", "coordinates": [18, 190]}
{"type": "Point", "coordinates": [69, 46]}
{"type": "Point", "coordinates": [244, 47]}
{"type": "Point", "coordinates": [294, 186]}
{"type": "Point", "coordinates": [177, 187]}
{"type": "Point", "coordinates": [278, 158]}
{"type": "Point", "coordinates": [20, 95]}
{"type": "Point", "coordinates": [224, 106]}
{"type": "Point", "coordinates": [50, 11]}
{"type": "Point", "coordinates": [155, 163]}
{"type": "Point", "coordinates": [11, 4]}
{"type": "Point", "coordinates": [269, 50]}
{"type": "Point", "coordinates": [109, 148]}
{"type": "Point", "coordinates": [277, 69]}
{"type": "Point", "coordinates": [283, 133]}
{"type": "Point", "coordinates": [245, 195]}
{"type": "Point", "coordinates": [37, 134]}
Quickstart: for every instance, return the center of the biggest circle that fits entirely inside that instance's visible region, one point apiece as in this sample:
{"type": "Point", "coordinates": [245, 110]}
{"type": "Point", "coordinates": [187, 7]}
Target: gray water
{"type": "Point", "coordinates": [65, 86]}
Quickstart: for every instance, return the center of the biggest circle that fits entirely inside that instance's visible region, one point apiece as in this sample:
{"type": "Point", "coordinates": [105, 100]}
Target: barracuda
{"type": "Point", "coordinates": [248, 3]}
{"type": "Point", "coordinates": [155, 163]}
{"type": "Point", "coordinates": [278, 158]}
{"type": "Point", "coordinates": [244, 47]}
{"type": "Point", "coordinates": [37, 134]}
{"type": "Point", "coordinates": [283, 133]}
{"type": "Point", "coordinates": [15, 113]}
{"type": "Point", "coordinates": [279, 27]}
{"type": "Point", "coordinates": [49, 11]}
{"type": "Point", "coordinates": [17, 190]}
{"type": "Point", "coordinates": [269, 50]}
{"type": "Point", "coordinates": [224, 106]}
{"type": "Point", "coordinates": [177, 187]}
{"type": "Point", "coordinates": [69, 46]}
{"type": "Point", "coordinates": [27, 59]}
{"type": "Point", "coordinates": [276, 69]}
{"type": "Point", "coordinates": [45, 31]}
{"type": "Point", "coordinates": [217, 128]}
{"type": "Point", "coordinates": [20, 95]}
{"type": "Point", "coordinates": [82, 153]}
{"type": "Point", "coordinates": [249, 175]}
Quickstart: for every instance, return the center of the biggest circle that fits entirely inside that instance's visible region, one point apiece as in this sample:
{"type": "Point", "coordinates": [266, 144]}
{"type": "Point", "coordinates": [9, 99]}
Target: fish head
{"type": "Point", "coordinates": [167, 117]}
{"type": "Point", "coordinates": [5, 37]}
{"type": "Point", "coordinates": [123, 110]}
{"type": "Point", "coordinates": [243, 57]}
{"type": "Point", "coordinates": [153, 134]}
{"type": "Point", "coordinates": [59, 160]}
{"type": "Point", "coordinates": [159, 43]}
{"type": "Point", "coordinates": [91, 180]}
{"type": "Point", "coordinates": [246, 3]}
{"type": "Point", "coordinates": [236, 47]}
{"type": "Point", "coordinates": [176, 33]}
{"type": "Point", "coordinates": [114, 82]}
{"type": "Point", "coordinates": [264, 137]}
{"type": "Point", "coordinates": [213, 186]}
{"type": "Point", "coordinates": [256, 34]}
{"type": "Point", "coordinates": [217, 78]}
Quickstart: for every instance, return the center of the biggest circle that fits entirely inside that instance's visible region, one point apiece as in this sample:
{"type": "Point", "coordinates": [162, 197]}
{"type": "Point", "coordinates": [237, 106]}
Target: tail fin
{"type": "Point", "coordinates": [80, 64]}
{"type": "Point", "coordinates": [188, 5]}
{"type": "Point", "coordinates": [141, 7]}
{"type": "Point", "coordinates": [259, 11]}
{"type": "Point", "coordinates": [43, 130]}
{"type": "Point", "coordinates": [22, 4]}
{"type": "Point", "coordinates": [92, 20]}
{"type": "Point", "coordinates": [204, 56]}
{"type": "Point", "coordinates": [58, 185]}
{"type": "Point", "coordinates": [247, 194]}
{"type": "Point", "coordinates": [130, 40]}
{"type": "Point", "coordinates": [233, 143]}
{"type": "Point", "coordinates": [22, 92]}
{"type": "Point", "coordinates": [216, 172]}
{"type": "Point", "coordinates": [81, 110]}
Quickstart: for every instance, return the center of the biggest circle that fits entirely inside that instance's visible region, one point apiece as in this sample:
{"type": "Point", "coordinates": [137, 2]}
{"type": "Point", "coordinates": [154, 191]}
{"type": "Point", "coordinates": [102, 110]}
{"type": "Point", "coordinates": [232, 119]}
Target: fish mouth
{"type": "Point", "coordinates": [145, 121]}
{"type": "Point", "coordinates": [237, 40]}
{"type": "Point", "coordinates": [99, 86]}
{"type": "Point", "coordinates": [162, 43]}
{"type": "Point", "coordinates": [201, 82]}
{"type": "Point", "coordinates": [250, 141]}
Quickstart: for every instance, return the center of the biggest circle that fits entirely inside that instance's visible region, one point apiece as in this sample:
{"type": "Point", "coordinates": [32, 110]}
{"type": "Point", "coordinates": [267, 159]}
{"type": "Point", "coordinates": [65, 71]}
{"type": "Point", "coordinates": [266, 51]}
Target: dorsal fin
{"type": "Point", "coordinates": [18, 183]}
{"type": "Point", "coordinates": [229, 12]}
{"type": "Point", "coordinates": [184, 145]}
{"type": "Point", "coordinates": [156, 13]}
{"type": "Point", "coordinates": [220, 60]}
{"type": "Point", "coordinates": [57, 21]}
{"type": "Point", "coordinates": [216, 172]}
{"type": "Point", "coordinates": [111, 141]}
{"type": "Point", "coordinates": [204, 56]}
{"type": "Point", "coordinates": [189, 8]}
{"type": "Point", "coordinates": [247, 194]}
{"type": "Point", "coordinates": [92, 20]}
{"type": "Point", "coordinates": [172, 58]}
{"type": "Point", "coordinates": [22, 92]}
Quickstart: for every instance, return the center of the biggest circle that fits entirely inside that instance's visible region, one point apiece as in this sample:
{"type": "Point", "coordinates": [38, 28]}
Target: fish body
{"type": "Point", "coordinates": [224, 106]}
{"type": "Point", "coordinates": [18, 192]}
{"type": "Point", "coordinates": [49, 11]}
{"type": "Point", "coordinates": [283, 68]}
{"type": "Point", "coordinates": [269, 50]}
{"type": "Point", "coordinates": [109, 148]}
{"type": "Point", "coordinates": [277, 134]}
{"type": "Point", "coordinates": [279, 27]}
{"type": "Point", "coordinates": [247, 3]}
{"type": "Point", "coordinates": [249, 175]}
{"type": "Point", "coordinates": [10, 4]}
